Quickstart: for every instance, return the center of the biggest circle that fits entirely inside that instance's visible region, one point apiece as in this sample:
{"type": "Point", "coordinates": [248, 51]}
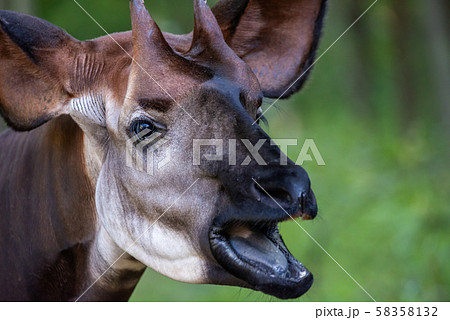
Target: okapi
{"type": "Point", "coordinates": [70, 206]}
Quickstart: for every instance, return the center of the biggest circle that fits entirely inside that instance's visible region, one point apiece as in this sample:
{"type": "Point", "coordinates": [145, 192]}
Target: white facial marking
{"type": "Point", "coordinates": [109, 251]}
{"type": "Point", "coordinates": [158, 247]}
{"type": "Point", "coordinates": [170, 253]}
{"type": "Point", "coordinates": [109, 263]}
{"type": "Point", "coordinates": [90, 106]}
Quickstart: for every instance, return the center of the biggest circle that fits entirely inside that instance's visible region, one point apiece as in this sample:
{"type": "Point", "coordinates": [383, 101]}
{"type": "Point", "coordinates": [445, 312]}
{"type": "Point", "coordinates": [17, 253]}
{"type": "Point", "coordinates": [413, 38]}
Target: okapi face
{"type": "Point", "coordinates": [214, 221]}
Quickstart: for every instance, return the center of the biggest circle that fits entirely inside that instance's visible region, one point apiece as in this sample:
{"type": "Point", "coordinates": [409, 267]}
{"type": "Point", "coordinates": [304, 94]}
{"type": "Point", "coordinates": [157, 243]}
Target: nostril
{"type": "Point", "coordinates": [280, 195]}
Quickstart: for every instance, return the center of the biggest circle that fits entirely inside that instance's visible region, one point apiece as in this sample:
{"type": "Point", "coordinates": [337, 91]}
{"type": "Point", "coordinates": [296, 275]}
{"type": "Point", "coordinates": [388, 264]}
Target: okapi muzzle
{"type": "Point", "coordinates": [244, 236]}
{"type": "Point", "coordinates": [82, 223]}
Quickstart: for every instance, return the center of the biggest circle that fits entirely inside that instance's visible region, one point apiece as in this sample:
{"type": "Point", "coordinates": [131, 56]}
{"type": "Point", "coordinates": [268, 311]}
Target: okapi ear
{"type": "Point", "coordinates": [276, 38]}
{"type": "Point", "coordinates": [34, 59]}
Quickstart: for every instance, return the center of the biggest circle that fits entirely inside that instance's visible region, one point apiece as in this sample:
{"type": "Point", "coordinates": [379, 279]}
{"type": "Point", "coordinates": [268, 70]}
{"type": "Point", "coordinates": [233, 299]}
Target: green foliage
{"type": "Point", "coordinates": [383, 194]}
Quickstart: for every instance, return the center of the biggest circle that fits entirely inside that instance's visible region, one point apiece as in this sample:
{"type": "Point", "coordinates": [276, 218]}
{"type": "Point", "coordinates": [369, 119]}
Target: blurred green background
{"type": "Point", "coordinates": [378, 108]}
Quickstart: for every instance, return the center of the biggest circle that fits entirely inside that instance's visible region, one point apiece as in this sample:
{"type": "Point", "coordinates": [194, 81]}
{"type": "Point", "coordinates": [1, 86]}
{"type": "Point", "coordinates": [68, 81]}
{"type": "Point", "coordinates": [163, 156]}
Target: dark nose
{"type": "Point", "coordinates": [290, 190]}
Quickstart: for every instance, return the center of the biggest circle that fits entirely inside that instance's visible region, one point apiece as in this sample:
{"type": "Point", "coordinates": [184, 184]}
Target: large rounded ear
{"type": "Point", "coordinates": [276, 38]}
{"type": "Point", "coordinates": [35, 57]}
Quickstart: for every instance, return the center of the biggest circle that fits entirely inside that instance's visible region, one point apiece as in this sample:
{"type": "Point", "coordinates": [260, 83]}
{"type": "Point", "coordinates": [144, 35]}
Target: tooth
{"type": "Point", "coordinates": [241, 231]}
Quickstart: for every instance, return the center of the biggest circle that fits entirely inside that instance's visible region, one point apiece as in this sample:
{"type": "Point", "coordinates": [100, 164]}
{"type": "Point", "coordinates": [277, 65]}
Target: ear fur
{"type": "Point", "coordinates": [276, 38]}
{"type": "Point", "coordinates": [35, 57]}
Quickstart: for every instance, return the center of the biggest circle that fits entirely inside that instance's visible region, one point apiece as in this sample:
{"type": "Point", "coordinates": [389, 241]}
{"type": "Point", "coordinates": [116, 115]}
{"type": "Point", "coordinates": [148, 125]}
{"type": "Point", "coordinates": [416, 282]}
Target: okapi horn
{"type": "Point", "coordinates": [207, 32]}
{"type": "Point", "coordinates": [146, 33]}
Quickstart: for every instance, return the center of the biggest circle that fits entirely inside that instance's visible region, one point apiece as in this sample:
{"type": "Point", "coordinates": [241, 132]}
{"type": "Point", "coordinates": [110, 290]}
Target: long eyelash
{"type": "Point", "coordinates": [264, 120]}
{"type": "Point", "coordinates": [270, 103]}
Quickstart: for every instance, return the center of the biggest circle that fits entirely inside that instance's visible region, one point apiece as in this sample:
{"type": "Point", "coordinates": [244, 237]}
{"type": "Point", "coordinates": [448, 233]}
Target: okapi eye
{"type": "Point", "coordinates": [142, 129]}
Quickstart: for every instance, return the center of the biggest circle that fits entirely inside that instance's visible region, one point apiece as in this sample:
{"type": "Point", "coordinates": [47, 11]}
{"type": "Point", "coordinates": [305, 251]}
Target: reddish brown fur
{"type": "Point", "coordinates": [48, 216]}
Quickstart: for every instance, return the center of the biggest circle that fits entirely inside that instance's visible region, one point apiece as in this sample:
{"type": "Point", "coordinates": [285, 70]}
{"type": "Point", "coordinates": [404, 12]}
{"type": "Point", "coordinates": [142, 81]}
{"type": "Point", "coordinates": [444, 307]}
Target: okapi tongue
{"type": "Point", "coordinates": [258, 248]}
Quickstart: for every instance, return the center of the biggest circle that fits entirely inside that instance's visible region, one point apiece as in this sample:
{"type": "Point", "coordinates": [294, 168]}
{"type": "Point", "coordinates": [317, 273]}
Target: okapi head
{"type": "Point", "coordinates": [208, 222]}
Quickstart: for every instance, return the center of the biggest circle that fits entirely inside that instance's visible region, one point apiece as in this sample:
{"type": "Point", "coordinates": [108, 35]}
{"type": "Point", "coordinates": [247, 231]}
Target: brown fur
{"type": "Point", "coordinates": [51, 173]}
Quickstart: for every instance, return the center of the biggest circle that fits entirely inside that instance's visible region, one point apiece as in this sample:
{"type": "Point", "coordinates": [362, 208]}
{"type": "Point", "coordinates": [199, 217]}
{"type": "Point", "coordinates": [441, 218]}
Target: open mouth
{"type": "Point", "coordinates": [256, 254]}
